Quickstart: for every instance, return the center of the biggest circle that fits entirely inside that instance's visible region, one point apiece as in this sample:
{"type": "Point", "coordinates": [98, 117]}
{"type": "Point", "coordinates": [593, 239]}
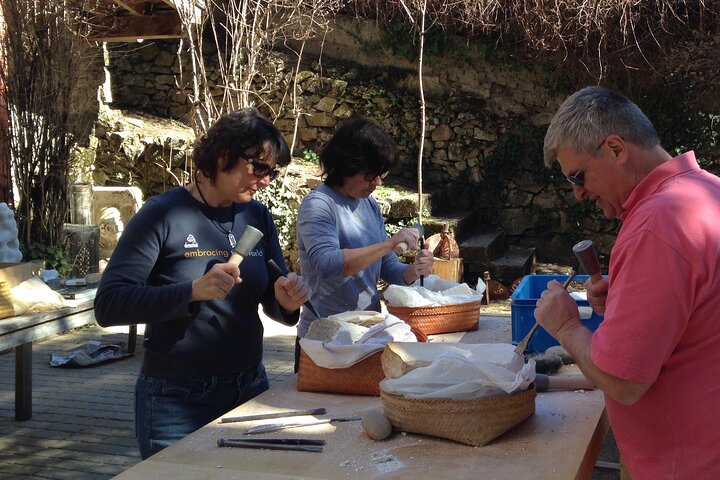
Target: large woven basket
{"type": "Point", "coordinates": [359, 379]}
{"type": "Point", "coordinates": [472, 422]}
{"type": "Point", "coordinates": [457, 317]}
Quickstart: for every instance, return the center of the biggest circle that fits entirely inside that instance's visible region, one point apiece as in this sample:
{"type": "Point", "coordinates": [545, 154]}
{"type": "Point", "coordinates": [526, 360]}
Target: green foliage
{"type": "Point", "coordinates": [55, 256]}
{"type": "Point", "coordinates": [394, 227]}
{"type": "Point", "coordinates": [681, 126]}
{"type": "Point", "coordinates": [403, 41]}
{"type": "Point", "coordinates": [502, 56]}
{"type": "Point", "coordinates": [311, 156]}
{"type": "Point", "coordinates": [283, 205]}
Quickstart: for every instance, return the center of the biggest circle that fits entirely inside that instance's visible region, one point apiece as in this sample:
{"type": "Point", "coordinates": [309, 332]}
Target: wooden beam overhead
{"type": "Point", "coordinates": [135, 7]}
{"type": "Point", "coordinates": [170, 3]}
{"type": "Point", "coordinates": [131, 28]}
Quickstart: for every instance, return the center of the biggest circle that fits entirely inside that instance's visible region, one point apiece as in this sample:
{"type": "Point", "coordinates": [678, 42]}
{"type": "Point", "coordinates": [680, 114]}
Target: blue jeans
{"type": "Point", "coordinates": [168, 409]}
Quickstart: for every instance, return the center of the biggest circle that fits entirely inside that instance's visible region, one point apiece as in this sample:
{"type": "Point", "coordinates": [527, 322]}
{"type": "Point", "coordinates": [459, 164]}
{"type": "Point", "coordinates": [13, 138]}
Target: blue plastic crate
{"type": "Point", "coordinates": [522, 309]}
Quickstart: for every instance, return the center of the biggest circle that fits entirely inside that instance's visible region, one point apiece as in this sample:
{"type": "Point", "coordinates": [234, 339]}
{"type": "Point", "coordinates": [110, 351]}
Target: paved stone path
{"type": "Point", "coordinates": [83, 423]}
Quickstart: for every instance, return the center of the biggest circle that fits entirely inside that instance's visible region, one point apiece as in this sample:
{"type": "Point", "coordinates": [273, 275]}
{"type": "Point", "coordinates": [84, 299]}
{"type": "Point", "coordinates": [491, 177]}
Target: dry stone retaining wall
{"type": "Point", "coordinates": [485, 122]}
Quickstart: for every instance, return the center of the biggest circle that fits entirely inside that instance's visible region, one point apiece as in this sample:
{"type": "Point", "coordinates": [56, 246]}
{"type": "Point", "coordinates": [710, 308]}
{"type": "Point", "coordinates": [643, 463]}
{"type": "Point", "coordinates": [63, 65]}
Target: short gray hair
{"type": "Point", "coordinates": [589, 115]}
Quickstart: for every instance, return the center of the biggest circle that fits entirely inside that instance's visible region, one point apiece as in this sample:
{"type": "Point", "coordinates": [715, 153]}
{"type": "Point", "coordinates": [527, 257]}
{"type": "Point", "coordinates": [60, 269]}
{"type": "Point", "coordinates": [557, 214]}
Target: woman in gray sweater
{"type": "Point", "coordinates": [343, 245]}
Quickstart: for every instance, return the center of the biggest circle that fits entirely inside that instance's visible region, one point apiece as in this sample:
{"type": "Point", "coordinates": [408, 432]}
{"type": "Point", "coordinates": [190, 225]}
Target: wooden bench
{"type": "Point", "coordinates": [20, 332]}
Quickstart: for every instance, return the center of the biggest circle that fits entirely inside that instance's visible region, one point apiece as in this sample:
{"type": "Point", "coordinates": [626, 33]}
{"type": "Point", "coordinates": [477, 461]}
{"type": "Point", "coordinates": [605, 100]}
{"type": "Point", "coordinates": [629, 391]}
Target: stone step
{"type": "Point", "coordinates": [480, 248]}
{"type": "Point", "coordinates": [397, 205]}
{"type": "Point", "coordinates": [434, 224]}
{"type": "Point", "coordinates": [514, 263]}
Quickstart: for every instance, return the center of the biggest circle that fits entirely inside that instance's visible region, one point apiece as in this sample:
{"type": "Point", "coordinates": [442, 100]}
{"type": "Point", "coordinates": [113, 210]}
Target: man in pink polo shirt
{"type": "Point", "coordinates": [656, 355]}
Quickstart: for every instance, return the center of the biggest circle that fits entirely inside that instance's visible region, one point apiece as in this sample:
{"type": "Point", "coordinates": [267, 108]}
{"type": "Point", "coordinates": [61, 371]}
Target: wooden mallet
{"type": "Point", "coordinates": [249, 238]}
{"type": "Point", "coordinates": [587, 256]}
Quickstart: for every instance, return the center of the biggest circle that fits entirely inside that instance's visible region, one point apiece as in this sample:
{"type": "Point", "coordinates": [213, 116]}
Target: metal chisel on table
{"type": "Point", "coordinates": [296, 444]}
{"type": "Point", "coordinates": [266, 416]}
{"type": "Point", "coordinates": [274, 427]}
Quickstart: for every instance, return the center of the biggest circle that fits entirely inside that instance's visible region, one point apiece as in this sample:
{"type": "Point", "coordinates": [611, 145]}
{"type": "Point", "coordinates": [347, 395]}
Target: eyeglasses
{"type": "Point", "coordinates": [369, 177]}
{"type": "Point", "coordinates": [260, 169]}
{"type": "Point", "coordinates": [578, 178]}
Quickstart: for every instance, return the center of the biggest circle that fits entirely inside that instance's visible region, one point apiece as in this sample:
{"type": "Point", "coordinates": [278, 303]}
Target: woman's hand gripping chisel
{"type": "Point", "coordinates": [279, 272]}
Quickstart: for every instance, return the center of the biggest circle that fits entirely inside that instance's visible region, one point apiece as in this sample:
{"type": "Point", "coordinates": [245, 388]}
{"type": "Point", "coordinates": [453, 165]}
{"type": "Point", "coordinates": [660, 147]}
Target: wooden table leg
{"type": "Point", "coordinates": [23, 382]}
{"type": "Point", "coordinates": [132, 338]}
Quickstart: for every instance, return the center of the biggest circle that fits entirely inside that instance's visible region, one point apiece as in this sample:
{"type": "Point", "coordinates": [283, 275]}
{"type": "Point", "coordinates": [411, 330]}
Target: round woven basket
{"type": "Point", "coordinates": [457, 317]}
{"type": "Point", "coordinates": [472, 422]}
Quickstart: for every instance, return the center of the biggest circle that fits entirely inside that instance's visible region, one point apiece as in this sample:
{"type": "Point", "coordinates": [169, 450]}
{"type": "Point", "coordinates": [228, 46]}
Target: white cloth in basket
{"type": "Point", "coordinates": [474, 371]}
{"type": "Point", "coordinates": [436, 291]}
{"type": "Point", "coordinates": [330, 355]}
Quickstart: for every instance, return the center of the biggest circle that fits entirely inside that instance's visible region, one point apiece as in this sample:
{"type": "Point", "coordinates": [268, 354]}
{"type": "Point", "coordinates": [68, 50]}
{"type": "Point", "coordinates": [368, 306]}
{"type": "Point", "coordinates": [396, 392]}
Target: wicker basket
{"type": "Point", "coordinates": [472, 422]}
{"type": "Point", "coordinates": [457, 317]}
{"type": "Point", "coordinates": [361, 378]}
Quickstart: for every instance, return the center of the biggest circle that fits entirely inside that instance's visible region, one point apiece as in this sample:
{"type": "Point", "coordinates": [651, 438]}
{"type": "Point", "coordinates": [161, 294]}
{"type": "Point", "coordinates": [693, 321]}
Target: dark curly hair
{"type": "Point", "coordinates": [358, 145]}
{"type": "Point", "coordinates": [234, 133]}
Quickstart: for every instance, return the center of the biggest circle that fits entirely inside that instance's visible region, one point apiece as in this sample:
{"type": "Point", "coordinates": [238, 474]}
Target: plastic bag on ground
{"type": "Point", "coordinates": [94, 353]}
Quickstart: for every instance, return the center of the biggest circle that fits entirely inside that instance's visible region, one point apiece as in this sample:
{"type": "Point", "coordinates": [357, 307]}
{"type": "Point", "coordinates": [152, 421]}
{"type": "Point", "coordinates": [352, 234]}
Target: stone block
{"type": "Point", "coordinates": [515, 263]}
{"type": "Point", "coordinates": [442, 133]}
{"type": "Point", "coordinates": [320, 119]}
{"type": "Point", "coordinates": [326, 104]}
{"type": "Point", "coordinates": [482, 247]}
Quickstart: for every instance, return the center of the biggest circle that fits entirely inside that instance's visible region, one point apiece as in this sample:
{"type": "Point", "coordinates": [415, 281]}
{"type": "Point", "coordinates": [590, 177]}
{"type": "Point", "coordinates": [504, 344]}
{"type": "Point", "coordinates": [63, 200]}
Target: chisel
{"type": "Point", "coordinates": [274, 427]}
{"type": "Point", "coordinates": [268, 446]}
{"type": "Point", "coordinates": [266, 416]}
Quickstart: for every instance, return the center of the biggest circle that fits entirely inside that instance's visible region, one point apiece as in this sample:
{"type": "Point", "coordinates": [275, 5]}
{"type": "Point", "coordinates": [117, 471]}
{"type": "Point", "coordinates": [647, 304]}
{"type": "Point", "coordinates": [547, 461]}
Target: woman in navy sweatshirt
{"type": "Point", "coordinates": [203, 335]}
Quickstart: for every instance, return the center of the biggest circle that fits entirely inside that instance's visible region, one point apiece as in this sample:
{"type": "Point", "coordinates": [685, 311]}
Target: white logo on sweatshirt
{"type": "Point", "coordinates": [190, 241]}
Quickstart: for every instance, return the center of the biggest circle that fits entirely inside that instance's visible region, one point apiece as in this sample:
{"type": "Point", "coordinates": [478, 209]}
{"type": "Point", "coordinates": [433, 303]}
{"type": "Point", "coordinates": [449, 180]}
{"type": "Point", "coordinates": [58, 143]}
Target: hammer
{"type": "Point", "coordinates": [587, 256]}
{"type": "Point", "coordinates": [249, 238]}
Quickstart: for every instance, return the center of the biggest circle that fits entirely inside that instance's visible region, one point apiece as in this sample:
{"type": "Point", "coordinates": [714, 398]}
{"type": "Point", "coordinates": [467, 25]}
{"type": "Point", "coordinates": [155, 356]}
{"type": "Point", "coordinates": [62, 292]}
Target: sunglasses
{"type": "Point", "coordinates": [260, 169]}
{"type": "Point", "coordinates": [369, 177]}
{"type": "Point", "coordinates": [578, 178]}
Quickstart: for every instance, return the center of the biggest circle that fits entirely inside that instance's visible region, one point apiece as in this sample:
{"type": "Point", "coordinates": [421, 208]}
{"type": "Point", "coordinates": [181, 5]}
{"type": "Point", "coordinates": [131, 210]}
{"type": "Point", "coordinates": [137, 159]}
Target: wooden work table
{"type": "Point", "coordinates": [21, 331]}
{"type": "Point", "coordinates": [561, 441]}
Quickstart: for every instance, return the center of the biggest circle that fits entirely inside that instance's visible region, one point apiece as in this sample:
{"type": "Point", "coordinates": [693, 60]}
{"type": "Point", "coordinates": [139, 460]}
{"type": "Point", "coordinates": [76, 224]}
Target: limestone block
{"type": "Point", "coordinates": [343, 111]}
{"type": "Point", "coordinates": [111, 227]}
{"type": "Point", "coordinates": [127, 200]}
{"type": "Point", "coordinates": [326, 104]}
{"type": "Point", "coordinates": [333, 331]}
{"type": "Point", "coordinates": [307, 134]}
{"type": "Point", "coordinates": [320, 120]}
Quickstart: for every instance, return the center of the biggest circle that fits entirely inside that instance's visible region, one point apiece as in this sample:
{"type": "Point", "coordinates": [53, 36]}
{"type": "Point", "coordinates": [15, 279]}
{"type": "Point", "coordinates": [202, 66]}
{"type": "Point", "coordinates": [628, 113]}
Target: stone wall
{"type": "Point", "coordinates": [486, 116]}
